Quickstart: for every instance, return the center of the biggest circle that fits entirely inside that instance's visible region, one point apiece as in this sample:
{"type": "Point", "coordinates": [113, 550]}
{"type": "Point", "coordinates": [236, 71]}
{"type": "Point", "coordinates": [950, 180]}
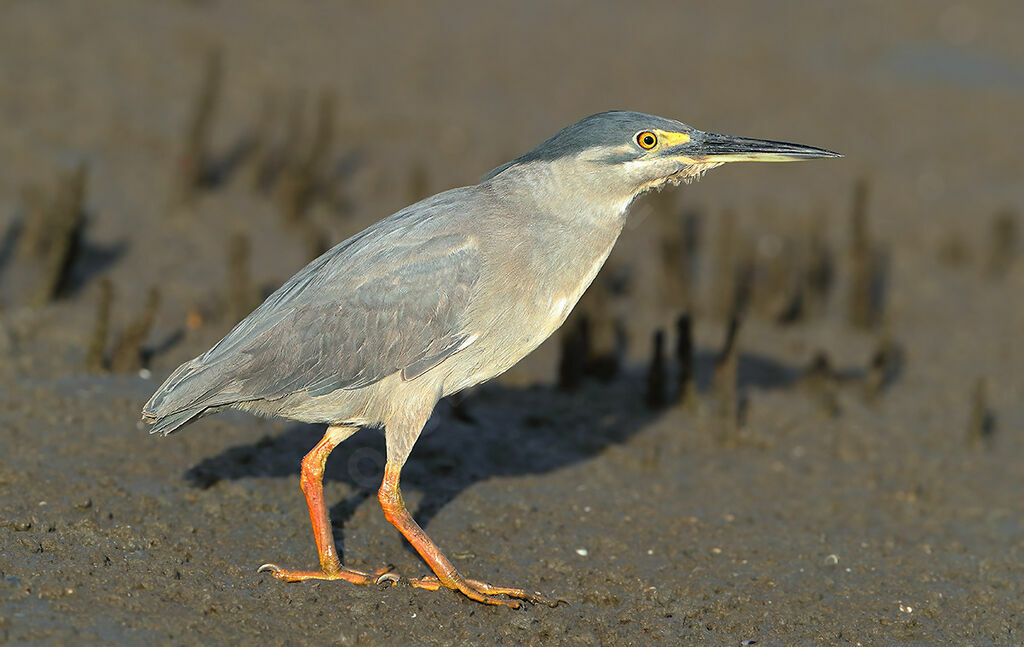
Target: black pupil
{"type": "Point", "coordinates": [648, 140]}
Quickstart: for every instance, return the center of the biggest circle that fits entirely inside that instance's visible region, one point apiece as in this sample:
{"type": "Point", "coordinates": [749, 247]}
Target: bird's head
{"type": "Point", "coordinates": [631, 152]}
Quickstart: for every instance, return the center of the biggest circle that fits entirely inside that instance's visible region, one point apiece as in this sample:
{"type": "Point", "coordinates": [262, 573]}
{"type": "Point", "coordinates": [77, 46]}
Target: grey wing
{"type": "Point", "coordinates": [347, 320]}
{"type": "Point", "coordinates": [409, 319]}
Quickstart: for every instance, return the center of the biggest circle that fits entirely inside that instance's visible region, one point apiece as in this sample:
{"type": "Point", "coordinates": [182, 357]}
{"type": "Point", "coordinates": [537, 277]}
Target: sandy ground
{"type": "Point", "coordinates": [828, 517]}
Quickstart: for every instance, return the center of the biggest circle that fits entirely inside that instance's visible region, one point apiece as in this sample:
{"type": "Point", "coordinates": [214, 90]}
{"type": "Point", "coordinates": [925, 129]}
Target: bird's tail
{"type": "Point", "coordinates": [184, 396]}
{"type": "Point", "coordinates": [167, 424]}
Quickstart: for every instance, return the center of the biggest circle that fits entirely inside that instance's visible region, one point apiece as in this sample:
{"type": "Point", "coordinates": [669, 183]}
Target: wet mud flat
{"type": "Point", "coordinates": [787, 412]}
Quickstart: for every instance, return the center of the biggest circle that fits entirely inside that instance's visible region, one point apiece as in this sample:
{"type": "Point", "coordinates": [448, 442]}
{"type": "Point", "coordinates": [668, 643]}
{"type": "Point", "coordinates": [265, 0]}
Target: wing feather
{"type": "Point", "coordinates": [383, 302]}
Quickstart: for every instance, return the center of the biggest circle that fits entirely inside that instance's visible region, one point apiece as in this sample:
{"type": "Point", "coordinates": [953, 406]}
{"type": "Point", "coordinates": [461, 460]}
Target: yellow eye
{"type": "Point", "coordinates": [647, 140]}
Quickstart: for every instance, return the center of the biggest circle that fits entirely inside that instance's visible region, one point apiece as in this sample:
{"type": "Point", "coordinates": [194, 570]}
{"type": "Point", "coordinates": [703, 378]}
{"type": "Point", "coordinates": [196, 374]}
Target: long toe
{"type": "Point", "coordinates": [348, 574]}
{"type": "Point", "coordinates": [487, 593]}
{"type": "Point", "coordinates": [519, 594]}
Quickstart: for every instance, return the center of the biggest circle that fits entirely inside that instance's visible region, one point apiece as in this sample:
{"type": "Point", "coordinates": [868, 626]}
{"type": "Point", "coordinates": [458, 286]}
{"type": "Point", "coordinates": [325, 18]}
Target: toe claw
{"type": "Point", "coordinates": [538, 598]}
{"type": "Point", "coordinates": [392, 578]}
{"type": "Point", "coordinates": [268, 568]}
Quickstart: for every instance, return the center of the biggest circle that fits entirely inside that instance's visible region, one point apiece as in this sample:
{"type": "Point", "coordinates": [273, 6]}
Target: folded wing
{"type": "Point", "coordinates": [378, 304]}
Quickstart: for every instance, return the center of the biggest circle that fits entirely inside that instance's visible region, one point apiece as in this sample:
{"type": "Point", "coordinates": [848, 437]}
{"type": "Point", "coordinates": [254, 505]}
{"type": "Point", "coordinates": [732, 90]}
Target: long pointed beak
{"type": "Point", "coordinates": [712, 147]}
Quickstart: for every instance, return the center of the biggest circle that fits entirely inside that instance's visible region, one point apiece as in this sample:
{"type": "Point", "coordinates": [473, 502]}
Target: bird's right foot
{"type": "Point", "coordinates": [480, 591]}
{"type": "Point", "coordinates": [341, 573]}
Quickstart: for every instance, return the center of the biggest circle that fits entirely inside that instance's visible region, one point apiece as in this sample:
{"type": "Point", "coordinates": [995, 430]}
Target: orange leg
{"type": "Point", "coordinates": [311, 480]}
{"type": "Point", "coordinates": [446, 575]}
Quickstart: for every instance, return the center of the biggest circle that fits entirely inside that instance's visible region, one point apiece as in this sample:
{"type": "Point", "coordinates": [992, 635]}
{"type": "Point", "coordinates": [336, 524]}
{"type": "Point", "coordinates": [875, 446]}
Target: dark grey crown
{"type": "Point", "coordinates": [612, 128]}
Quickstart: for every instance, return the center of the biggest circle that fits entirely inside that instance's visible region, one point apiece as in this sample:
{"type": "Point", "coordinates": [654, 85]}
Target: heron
{"type": "Point", "coordinates": [444, 294]}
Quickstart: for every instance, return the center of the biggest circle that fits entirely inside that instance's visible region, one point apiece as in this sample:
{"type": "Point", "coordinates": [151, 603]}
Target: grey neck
{"type": "Point", "coordinates": [564, 190]}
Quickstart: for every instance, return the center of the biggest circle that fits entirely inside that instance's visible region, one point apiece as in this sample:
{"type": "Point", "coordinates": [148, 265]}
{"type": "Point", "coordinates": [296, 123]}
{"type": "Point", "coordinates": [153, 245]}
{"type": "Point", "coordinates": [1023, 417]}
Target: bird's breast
{"type": "Point", "coordinates": [527, 292]}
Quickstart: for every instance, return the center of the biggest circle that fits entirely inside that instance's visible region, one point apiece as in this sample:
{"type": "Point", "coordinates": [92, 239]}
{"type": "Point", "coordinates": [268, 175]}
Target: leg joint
{"type": "Point", "coordinates": [390, 495]}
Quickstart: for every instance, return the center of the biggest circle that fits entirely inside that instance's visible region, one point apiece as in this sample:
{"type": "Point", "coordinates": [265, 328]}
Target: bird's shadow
{"type": "Point", "coordinates": [497, 431]}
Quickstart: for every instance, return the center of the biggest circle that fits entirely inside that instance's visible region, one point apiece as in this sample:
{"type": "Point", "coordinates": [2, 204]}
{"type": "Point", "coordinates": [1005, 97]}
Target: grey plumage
{"type": "Point", "coordinates": [387, 300]}
{"type": "Point", "coordinates": [440, 296]}
{"type": "Point", "coordinates": [395, 299]}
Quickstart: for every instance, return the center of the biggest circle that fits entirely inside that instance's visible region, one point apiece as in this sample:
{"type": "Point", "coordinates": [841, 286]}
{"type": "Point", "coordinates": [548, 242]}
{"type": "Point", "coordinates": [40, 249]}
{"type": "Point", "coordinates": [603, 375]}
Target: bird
{"type": "Point", "coordinates": [440, 296]}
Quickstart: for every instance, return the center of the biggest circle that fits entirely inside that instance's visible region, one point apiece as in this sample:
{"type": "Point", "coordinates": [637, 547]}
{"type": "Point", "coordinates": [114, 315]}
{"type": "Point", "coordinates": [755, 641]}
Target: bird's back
{"type": "Point", "coordinates": [390, 299]}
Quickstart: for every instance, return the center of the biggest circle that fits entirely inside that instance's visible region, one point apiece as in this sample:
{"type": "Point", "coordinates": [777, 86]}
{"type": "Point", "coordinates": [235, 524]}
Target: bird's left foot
{"type": "Point", "coordinates": [479, 591]}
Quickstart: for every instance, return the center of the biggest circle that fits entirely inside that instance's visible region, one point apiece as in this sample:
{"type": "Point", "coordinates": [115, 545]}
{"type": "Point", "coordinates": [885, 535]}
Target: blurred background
{"type": "Point", "coordinates": [789, 409]}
